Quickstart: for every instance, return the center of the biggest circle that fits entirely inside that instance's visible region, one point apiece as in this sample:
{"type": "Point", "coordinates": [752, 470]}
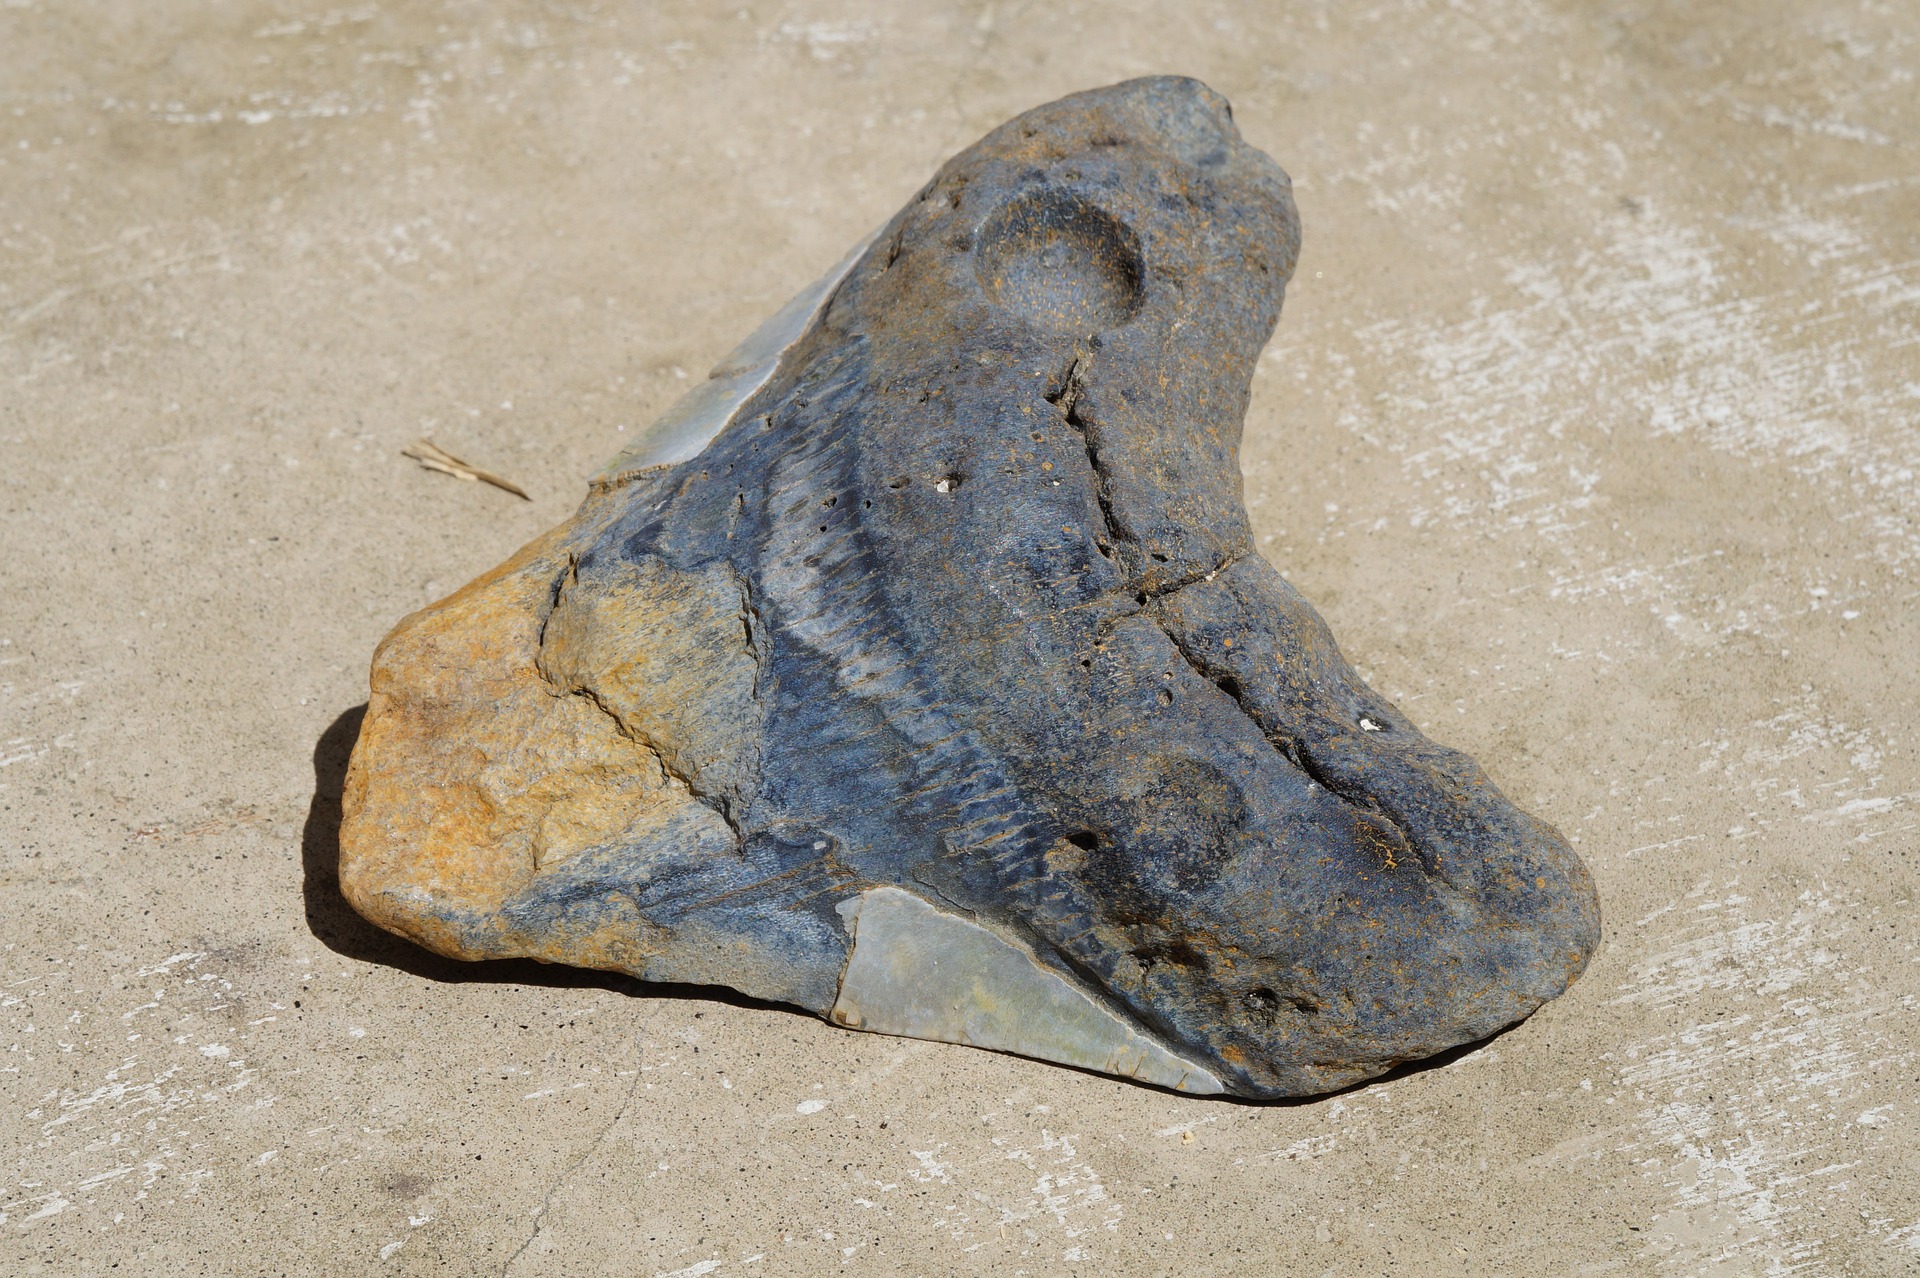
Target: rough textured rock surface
{"type": "Point", "coordinates": [961, 601]}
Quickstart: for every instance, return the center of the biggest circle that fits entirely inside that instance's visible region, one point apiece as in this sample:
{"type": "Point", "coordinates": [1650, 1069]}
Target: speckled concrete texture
{"type": "Point", "coordinates": [1590, 427]}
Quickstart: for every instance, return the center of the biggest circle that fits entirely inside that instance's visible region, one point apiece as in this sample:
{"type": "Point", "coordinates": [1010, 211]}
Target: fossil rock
{"type": "Point", "coordinates": [918, 670]}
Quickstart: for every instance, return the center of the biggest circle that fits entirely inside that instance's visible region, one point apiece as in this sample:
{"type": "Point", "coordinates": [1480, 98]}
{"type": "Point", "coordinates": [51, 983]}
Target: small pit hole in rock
{"type": "Point", "coordinates": [1229, 685]}
{"type": "Point", "coordinates": [830, 503]}
{"type": "Point", "coordinates": [1171, 951]}
{"type": "Point", "coordinates": [1166, 697]}
{"type": "Point", "coordinates": [1085, 840]}
{"type": "Point", "coordinates": [946, 483]}
{"type": "Point", "coordinates": [1261, 1001]}
{"type": "Point", "coordinates": [897, 482]}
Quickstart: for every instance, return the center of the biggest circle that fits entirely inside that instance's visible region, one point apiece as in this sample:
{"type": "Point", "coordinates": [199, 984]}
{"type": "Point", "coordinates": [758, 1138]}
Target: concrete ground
{"type": "Point", "coordinates": [1590, 427]}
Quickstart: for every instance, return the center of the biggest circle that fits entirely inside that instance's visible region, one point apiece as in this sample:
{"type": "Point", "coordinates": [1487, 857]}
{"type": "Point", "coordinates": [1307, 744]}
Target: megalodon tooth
{"type": "Point", "coordinates": [918, 670]}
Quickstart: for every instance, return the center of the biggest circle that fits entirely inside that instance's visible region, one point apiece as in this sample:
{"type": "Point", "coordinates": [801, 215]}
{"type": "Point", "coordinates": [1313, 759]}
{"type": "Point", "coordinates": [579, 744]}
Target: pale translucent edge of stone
{"type": "Point", "coordinates": [920, 972]}
{"type": "Point", "coordinates": [696, 418]}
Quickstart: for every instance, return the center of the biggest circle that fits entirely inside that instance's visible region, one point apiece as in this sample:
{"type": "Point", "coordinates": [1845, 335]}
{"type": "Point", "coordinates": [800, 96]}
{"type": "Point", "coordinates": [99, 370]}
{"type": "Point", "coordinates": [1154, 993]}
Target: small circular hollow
{"type": "Point", "coordinates": [1060, 262]}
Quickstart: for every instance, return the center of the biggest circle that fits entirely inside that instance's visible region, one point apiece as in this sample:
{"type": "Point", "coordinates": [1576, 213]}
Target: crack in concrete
{"type": "Point", "coordinates": [546, 1200]}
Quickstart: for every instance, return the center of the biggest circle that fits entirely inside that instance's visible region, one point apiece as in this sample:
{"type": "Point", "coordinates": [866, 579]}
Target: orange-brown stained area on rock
{"type": "Point", "coordinates": [475, 772]}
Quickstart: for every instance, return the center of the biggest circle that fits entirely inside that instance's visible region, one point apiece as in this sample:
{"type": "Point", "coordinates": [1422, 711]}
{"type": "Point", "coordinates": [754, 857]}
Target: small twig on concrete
{"type": "Point", "coordinates": [434, 457]}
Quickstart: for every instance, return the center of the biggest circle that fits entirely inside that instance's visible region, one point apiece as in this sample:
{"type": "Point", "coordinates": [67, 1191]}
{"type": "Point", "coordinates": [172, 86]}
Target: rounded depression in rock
{"type": "Point", "coordinates": [1056, 258]}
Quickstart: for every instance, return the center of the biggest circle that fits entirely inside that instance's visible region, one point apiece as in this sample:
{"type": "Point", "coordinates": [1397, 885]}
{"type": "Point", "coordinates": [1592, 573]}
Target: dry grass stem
{"type": "Point", "coordinates": [434, 457]}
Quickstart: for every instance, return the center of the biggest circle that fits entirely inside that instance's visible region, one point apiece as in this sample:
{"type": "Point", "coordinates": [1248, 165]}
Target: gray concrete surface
{"type": "Point", "coordinates": [1590, 427]}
